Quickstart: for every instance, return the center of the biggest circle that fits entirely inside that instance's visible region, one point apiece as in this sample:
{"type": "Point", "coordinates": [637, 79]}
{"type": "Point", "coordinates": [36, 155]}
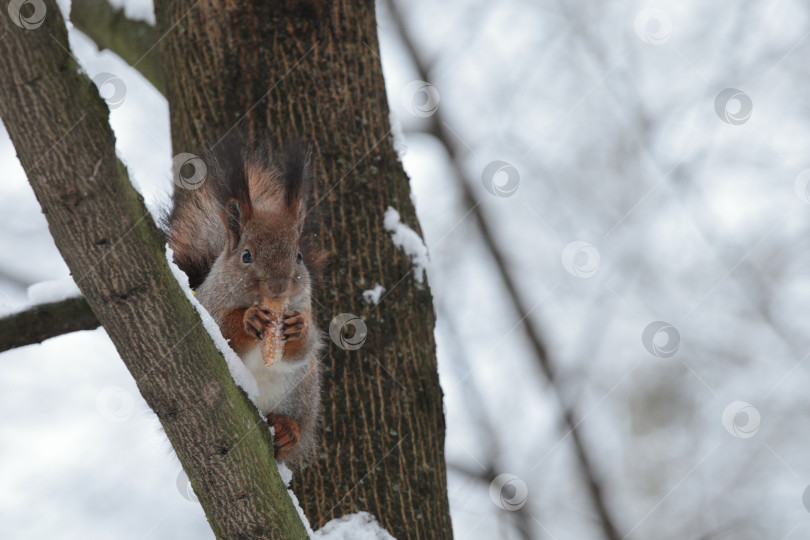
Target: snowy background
{"type": "Point", "coordinates": [645, 192]}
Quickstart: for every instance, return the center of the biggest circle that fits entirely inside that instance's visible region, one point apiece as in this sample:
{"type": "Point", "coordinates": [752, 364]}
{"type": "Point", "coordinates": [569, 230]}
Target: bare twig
{"type": "Point", "coordinates": [437, 129]}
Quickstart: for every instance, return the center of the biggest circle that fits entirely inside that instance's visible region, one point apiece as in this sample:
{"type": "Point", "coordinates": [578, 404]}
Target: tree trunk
{"type": "Point", "coordinates": [58, 124]}
{"type": "Point", "coordinates": [281, 69]}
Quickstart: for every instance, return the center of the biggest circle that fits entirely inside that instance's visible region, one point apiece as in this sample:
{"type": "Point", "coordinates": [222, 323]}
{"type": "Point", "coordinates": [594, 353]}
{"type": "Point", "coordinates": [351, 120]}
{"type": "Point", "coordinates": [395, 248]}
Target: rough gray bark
{"type": "Point", "coordinates": [58, 124]}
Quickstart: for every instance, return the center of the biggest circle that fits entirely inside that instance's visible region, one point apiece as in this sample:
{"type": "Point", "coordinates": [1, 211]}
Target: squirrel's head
{"type": "Point", "coordinates": [264, 207]}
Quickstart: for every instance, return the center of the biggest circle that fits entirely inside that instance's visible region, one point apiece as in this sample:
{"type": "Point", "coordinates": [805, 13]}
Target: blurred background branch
{"type": "Point", "coordinates": [521, 310]}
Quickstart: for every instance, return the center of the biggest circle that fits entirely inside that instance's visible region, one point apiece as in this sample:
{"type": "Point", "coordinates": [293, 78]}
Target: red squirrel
{"type": "Point", "coordinates": [244, 235]}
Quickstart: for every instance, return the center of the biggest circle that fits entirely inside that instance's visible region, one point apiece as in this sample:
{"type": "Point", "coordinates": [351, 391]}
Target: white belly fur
{"type": "Point", "coordinates": [275, 382]}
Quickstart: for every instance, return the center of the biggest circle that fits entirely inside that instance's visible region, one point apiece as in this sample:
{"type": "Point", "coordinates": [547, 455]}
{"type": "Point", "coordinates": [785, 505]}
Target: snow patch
{"type": "Point", "coordinates": [359, 526]}
{"type": "Point", "coordinates": [137, 10]}
{"type": "Point", "coordinates": [52, 291]}
{"type": "Point", "coordinates": [372, 296]}
{"type": "Point", "coordinates": [241, 374]}
{"type": "Point", "coordinates": [43, 292]}
{"type": "Point", "coordinates": [286, 477]}
{"type": "Point", "coordinates": [408, 241]}
{"type": "Point", "coordinates": [283, 471]}
{"type": "Point", "coordinates": [399, 137]}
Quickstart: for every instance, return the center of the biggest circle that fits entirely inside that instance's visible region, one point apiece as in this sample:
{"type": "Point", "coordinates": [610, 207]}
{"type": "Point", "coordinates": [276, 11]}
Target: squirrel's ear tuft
{"type": "Point", "coordinates": [233, 223]}
{"type": "Point", "coordinates": [227, 170]}
{"type": "Point", "coordinates": [297, 177]}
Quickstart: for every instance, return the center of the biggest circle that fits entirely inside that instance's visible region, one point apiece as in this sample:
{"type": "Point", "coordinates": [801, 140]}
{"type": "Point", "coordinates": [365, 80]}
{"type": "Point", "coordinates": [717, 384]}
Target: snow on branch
{"type": "Point", "coordinates": [408, 241]}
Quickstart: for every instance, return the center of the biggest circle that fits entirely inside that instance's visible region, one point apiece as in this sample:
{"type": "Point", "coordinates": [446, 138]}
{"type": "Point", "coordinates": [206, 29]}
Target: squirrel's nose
{"type": "Point", "coordinates": [274, 288]}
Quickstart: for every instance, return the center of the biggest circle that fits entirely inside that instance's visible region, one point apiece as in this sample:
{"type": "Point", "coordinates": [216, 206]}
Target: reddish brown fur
{"type": "Point", "coordinates": [233, 328]}
{"type": "Point", "coordinates": [297, 346]}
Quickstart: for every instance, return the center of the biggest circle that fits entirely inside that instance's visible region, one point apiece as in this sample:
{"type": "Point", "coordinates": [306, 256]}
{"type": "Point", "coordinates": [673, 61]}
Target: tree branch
{"type": "Point", "coordinates": [45, 321]}
{"type": "Point", "coordinates": [60, 130]}
{"type": "Point", "coordinates": [133, 41]}
{"type": "Point", "coordinates": [436, 128]}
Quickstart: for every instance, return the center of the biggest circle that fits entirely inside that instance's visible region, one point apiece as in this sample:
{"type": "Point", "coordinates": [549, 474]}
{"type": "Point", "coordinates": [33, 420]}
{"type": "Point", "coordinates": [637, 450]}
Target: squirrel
{"type": "Point", "coordinates": [245, 235]}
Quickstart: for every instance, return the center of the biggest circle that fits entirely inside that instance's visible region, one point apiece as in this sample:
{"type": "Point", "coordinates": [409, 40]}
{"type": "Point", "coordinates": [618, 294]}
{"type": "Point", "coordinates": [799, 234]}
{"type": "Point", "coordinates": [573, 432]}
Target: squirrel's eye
{"type": "Point", "coordinates": [300, 258]}
{"type": "Point", "coordinates": [247, 258]}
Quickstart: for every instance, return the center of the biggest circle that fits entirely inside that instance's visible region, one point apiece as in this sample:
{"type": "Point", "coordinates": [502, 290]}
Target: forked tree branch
{"type": "Point", "coordinates": [133, 41]}
{"type": "Point", "coordinates": [437, 128]}
{"type": "Point", "coordinates": [60, 130]}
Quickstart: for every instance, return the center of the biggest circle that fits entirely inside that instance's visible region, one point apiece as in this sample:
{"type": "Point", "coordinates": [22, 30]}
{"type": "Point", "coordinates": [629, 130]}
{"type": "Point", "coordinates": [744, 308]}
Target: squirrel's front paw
{"type": "Point", "coordinates": [286, 435]}
{"type": "Point", "coordinates": [256, 319]}
{"type": "Point", "coordinates": [293, 325]}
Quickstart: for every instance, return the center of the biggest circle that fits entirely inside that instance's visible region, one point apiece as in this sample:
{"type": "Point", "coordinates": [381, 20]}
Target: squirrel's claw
{"type": "Point", "coordinates": [286, 435]}
{"type": "Point", "coordinates": [256, 320]}
{"type": "Point", "coordinates": [292, 326]}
